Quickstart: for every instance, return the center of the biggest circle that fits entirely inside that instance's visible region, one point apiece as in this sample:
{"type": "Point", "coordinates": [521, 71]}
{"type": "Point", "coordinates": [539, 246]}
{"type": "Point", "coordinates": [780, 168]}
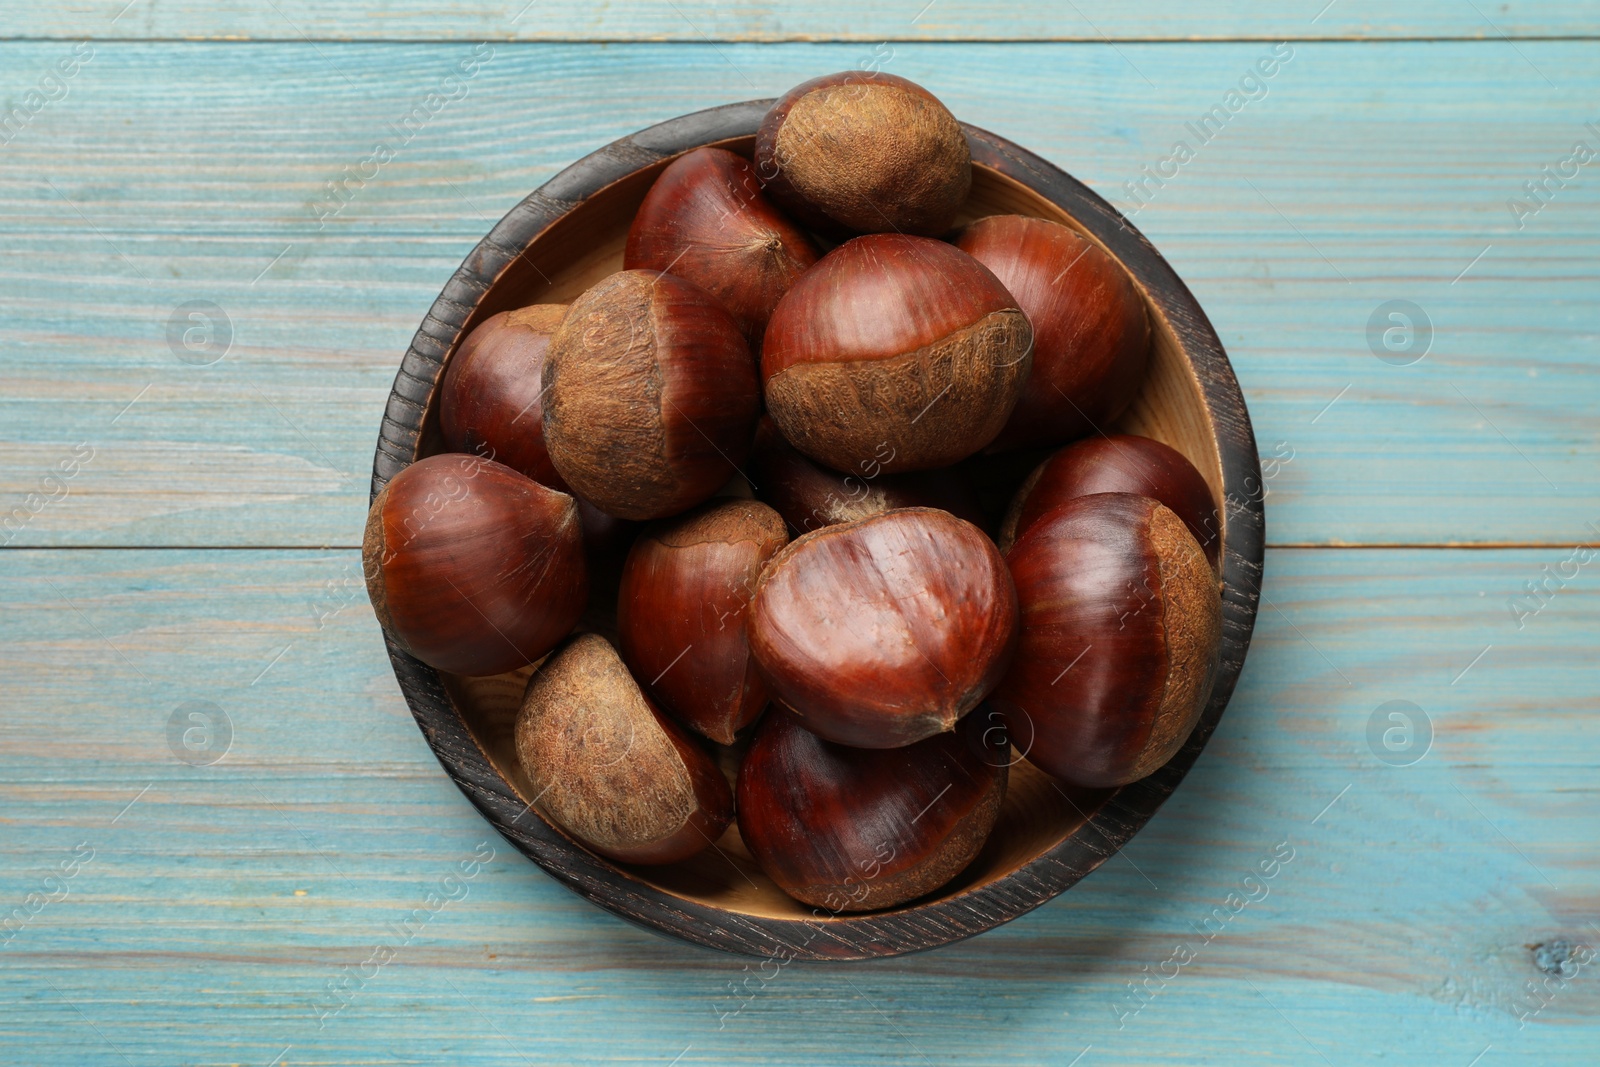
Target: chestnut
{"type": "Point", "coordinates": [685, 592]}
{"type": "Point", "coordinates": [1120, 638]}
{"type": "Point", "coordinates": [1091, 331]}
{"type": "Point", "coordinates": [1119, 463]}
{"type": "Point", "coordinates": [491, 397]}
{"type": "Point", "coordinates": [865, 152]}
{"type": "Point", "coordinates": [472, 567]}
{"type": "Point", "coordinates": [706, 219]}
{"type": "Point", "coordinates": [608, 768]}
{"type": "Point", "coordinates": [896, 351]}
{"type": "Point", "coordinates": [852, 829]}
{"type": "Point", "coordinates": [810, 497]}
{"type": "Point", "coordinates": [881, 632]}
{"type": "Point", "coordinates": [651, 395]}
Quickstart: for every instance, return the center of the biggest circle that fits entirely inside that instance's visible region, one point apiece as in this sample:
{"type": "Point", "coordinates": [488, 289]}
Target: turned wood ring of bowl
{"type": "Point", "coordinates": [569, 234]}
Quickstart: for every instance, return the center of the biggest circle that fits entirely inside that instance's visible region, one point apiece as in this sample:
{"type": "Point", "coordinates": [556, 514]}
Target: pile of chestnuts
{"type": "Point", "coordinates": [859, 540]}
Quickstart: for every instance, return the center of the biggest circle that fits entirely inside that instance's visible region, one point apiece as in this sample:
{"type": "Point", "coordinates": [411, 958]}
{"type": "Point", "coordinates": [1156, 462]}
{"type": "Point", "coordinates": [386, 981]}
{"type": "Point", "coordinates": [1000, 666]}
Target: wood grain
{"type": "Point", "coordinates": [830, 20]}
{"type": "Point", "coordinates": [1419, 905]}
{"type": "Point", "coordinates": [1402, 926]}
{"type": "Point", "coordinates": [174, 173]}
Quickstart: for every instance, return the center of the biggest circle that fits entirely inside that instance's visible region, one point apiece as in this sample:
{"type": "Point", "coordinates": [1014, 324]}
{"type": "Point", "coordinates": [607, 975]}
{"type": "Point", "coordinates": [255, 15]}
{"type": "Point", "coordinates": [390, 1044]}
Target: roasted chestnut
{"type": "Point", "coordinates": [1091, 332]}
{"type": "Point", "coordinates": [472, 567]}
{"type": "Point", "coordinates": [884, 631]}
{"type": "Point", "coordinates": [706, 219]}
{"type": "Point", "coordinates": [607, 767]}
{"type": "Point", "coordinates": [1120, 638]}
{"type": "Point", "coordinates": [898, 352]}
{"type": "Point", "coordinates": [651, 395]}
{"type": "Point", "coordinates": [1120, 463]}
{"type": "Point", "coordinates": [686, 589]}
{"type": "Point", "coordinates": [865, 152]}
{"type": "Point", "coordinates": [491, 398]}
{"type": "Point", "coordinates": [810, 497]}
{"type": "Point", "coordinates": [852, 829]}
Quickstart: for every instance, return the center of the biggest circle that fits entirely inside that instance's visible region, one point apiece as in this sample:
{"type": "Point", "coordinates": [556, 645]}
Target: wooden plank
{"type": "Point", "coordinates": [221, 900]}
{"type": "Point", "coordinates": [179, 173]}
{"type": "Point", "coordinates": [698, 20]}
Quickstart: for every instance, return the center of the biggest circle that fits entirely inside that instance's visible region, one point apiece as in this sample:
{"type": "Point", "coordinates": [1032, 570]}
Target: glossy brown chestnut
{"type": "Point", "coordinates": [491, 404]}
{"type": "Point", "coordinates": [896, 351]}
{"type": "Point", "coordinates": [1091, 332]}
{"type": "Point", "coordinates": [810, 497]}
{"type": "Point", "coordinates": [490, 401]}
{"type": "Point", "coordinates": [686, 590]}
{"type": "Point", "coordinates": [881, 632]}
{"type": "Point", "coordinates": [608, 768]}
{"type": "Point", "coordinates": [1120, 463]}
{"type": "Point", "coordinates": [865, 152]}
{"type": "Point", "coordinates": [472, 567]}
{"type": "Point", "coordinates": [852, 829]}
{"type": "Point", "coordinates": [651, 395]}
{"type": "Point", "coordinates": [706, 219]}
{"type": "Point", "coordinates": [1121, 628]}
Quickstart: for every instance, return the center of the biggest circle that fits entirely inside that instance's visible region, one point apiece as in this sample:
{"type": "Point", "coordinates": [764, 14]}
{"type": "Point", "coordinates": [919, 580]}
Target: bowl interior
{"type": "Point", "coordinates": [584, 246]}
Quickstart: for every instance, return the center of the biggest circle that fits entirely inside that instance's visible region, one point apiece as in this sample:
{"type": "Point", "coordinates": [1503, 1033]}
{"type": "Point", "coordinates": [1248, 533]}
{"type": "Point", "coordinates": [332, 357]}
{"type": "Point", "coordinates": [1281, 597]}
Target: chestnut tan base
{"type": "Point", "coordinates": [876, 157]}
{"type": "Point", "coordinates": [869, 415]}
{"type": "Point", "coordinates": [600, 766]}
{"type": "Point", "coordinates": [1192, 617]}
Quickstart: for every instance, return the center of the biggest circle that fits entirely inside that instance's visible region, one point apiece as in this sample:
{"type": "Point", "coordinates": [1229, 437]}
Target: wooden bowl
{"type": "Point", "coordinates": [568, 235]}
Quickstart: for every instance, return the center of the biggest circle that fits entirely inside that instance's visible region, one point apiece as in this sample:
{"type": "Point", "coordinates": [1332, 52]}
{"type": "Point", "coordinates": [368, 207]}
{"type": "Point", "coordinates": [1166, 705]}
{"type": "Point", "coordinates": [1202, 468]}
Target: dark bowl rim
{"type": "Point", "coordinates": [920, 925]}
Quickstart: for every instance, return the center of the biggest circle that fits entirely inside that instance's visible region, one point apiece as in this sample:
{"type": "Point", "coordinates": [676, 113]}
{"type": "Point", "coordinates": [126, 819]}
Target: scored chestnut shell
{"type": "Point", "coordinates": [1120, 463]}
{"type": "Point", "coordinates": [706, 219]}
{"type": "Point", "coordinates": [490, 401]}
{"type": "Point", "coordinates": [686, 589]}
{"type": "Point", "coordinates": [651, 395]}
{"type": "Point", "coordinates": [609, 768]}
{"type": "Point", "coordinates": [865, 152]}
{"type": "Point", "coordinates": [1091, 331]}
{"type": "Point", "coordinates": [851, 829]}
{"type": "Point", "coordinates": [1120, 639]}
{"type": "Point", "coordinates": [472, 567]}
{"type": "Point", "coordinates": [810, 497]}
{"type": "Point", "coordinates": [884, 631]}
{"type": "Point", "coordinates": [896, 351]}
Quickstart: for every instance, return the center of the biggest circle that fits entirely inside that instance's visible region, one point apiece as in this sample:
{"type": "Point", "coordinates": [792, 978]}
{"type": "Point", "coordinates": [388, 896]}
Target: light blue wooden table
{"type": "Point", "coordinates": [181, 521]}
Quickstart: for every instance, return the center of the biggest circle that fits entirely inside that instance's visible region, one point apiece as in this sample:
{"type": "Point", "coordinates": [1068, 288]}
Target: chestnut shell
{"type": "Point", "coordinates": [1120, 637]}
{"type": "Point", "coordinates": [896, 353]}
{"type": "Point", "coordinates": [852, 829]}
{"type": "Point", "coordinates": [809, 496]}
{"type": "Point", "coordinates": [491, 400]}
{"type": "Point", "coordinates": [881, 632]}
{"type": "Point", "coordinates": [681, 613]}
{"type": "Point", "coordinates": [472, 567]}
{"type": "Point", "coordinates": [706, 219]}
{"type": "Point", "coordinates": [1119, 463]}
{"type": "Point", "coordinates": [1091, 330]}
{"type": "Point", "coordinates": [651, 395]}
{"type": "Point", "coordinates": [866, 152]}
{"type": "Point", "coordinates": [609, 768]}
